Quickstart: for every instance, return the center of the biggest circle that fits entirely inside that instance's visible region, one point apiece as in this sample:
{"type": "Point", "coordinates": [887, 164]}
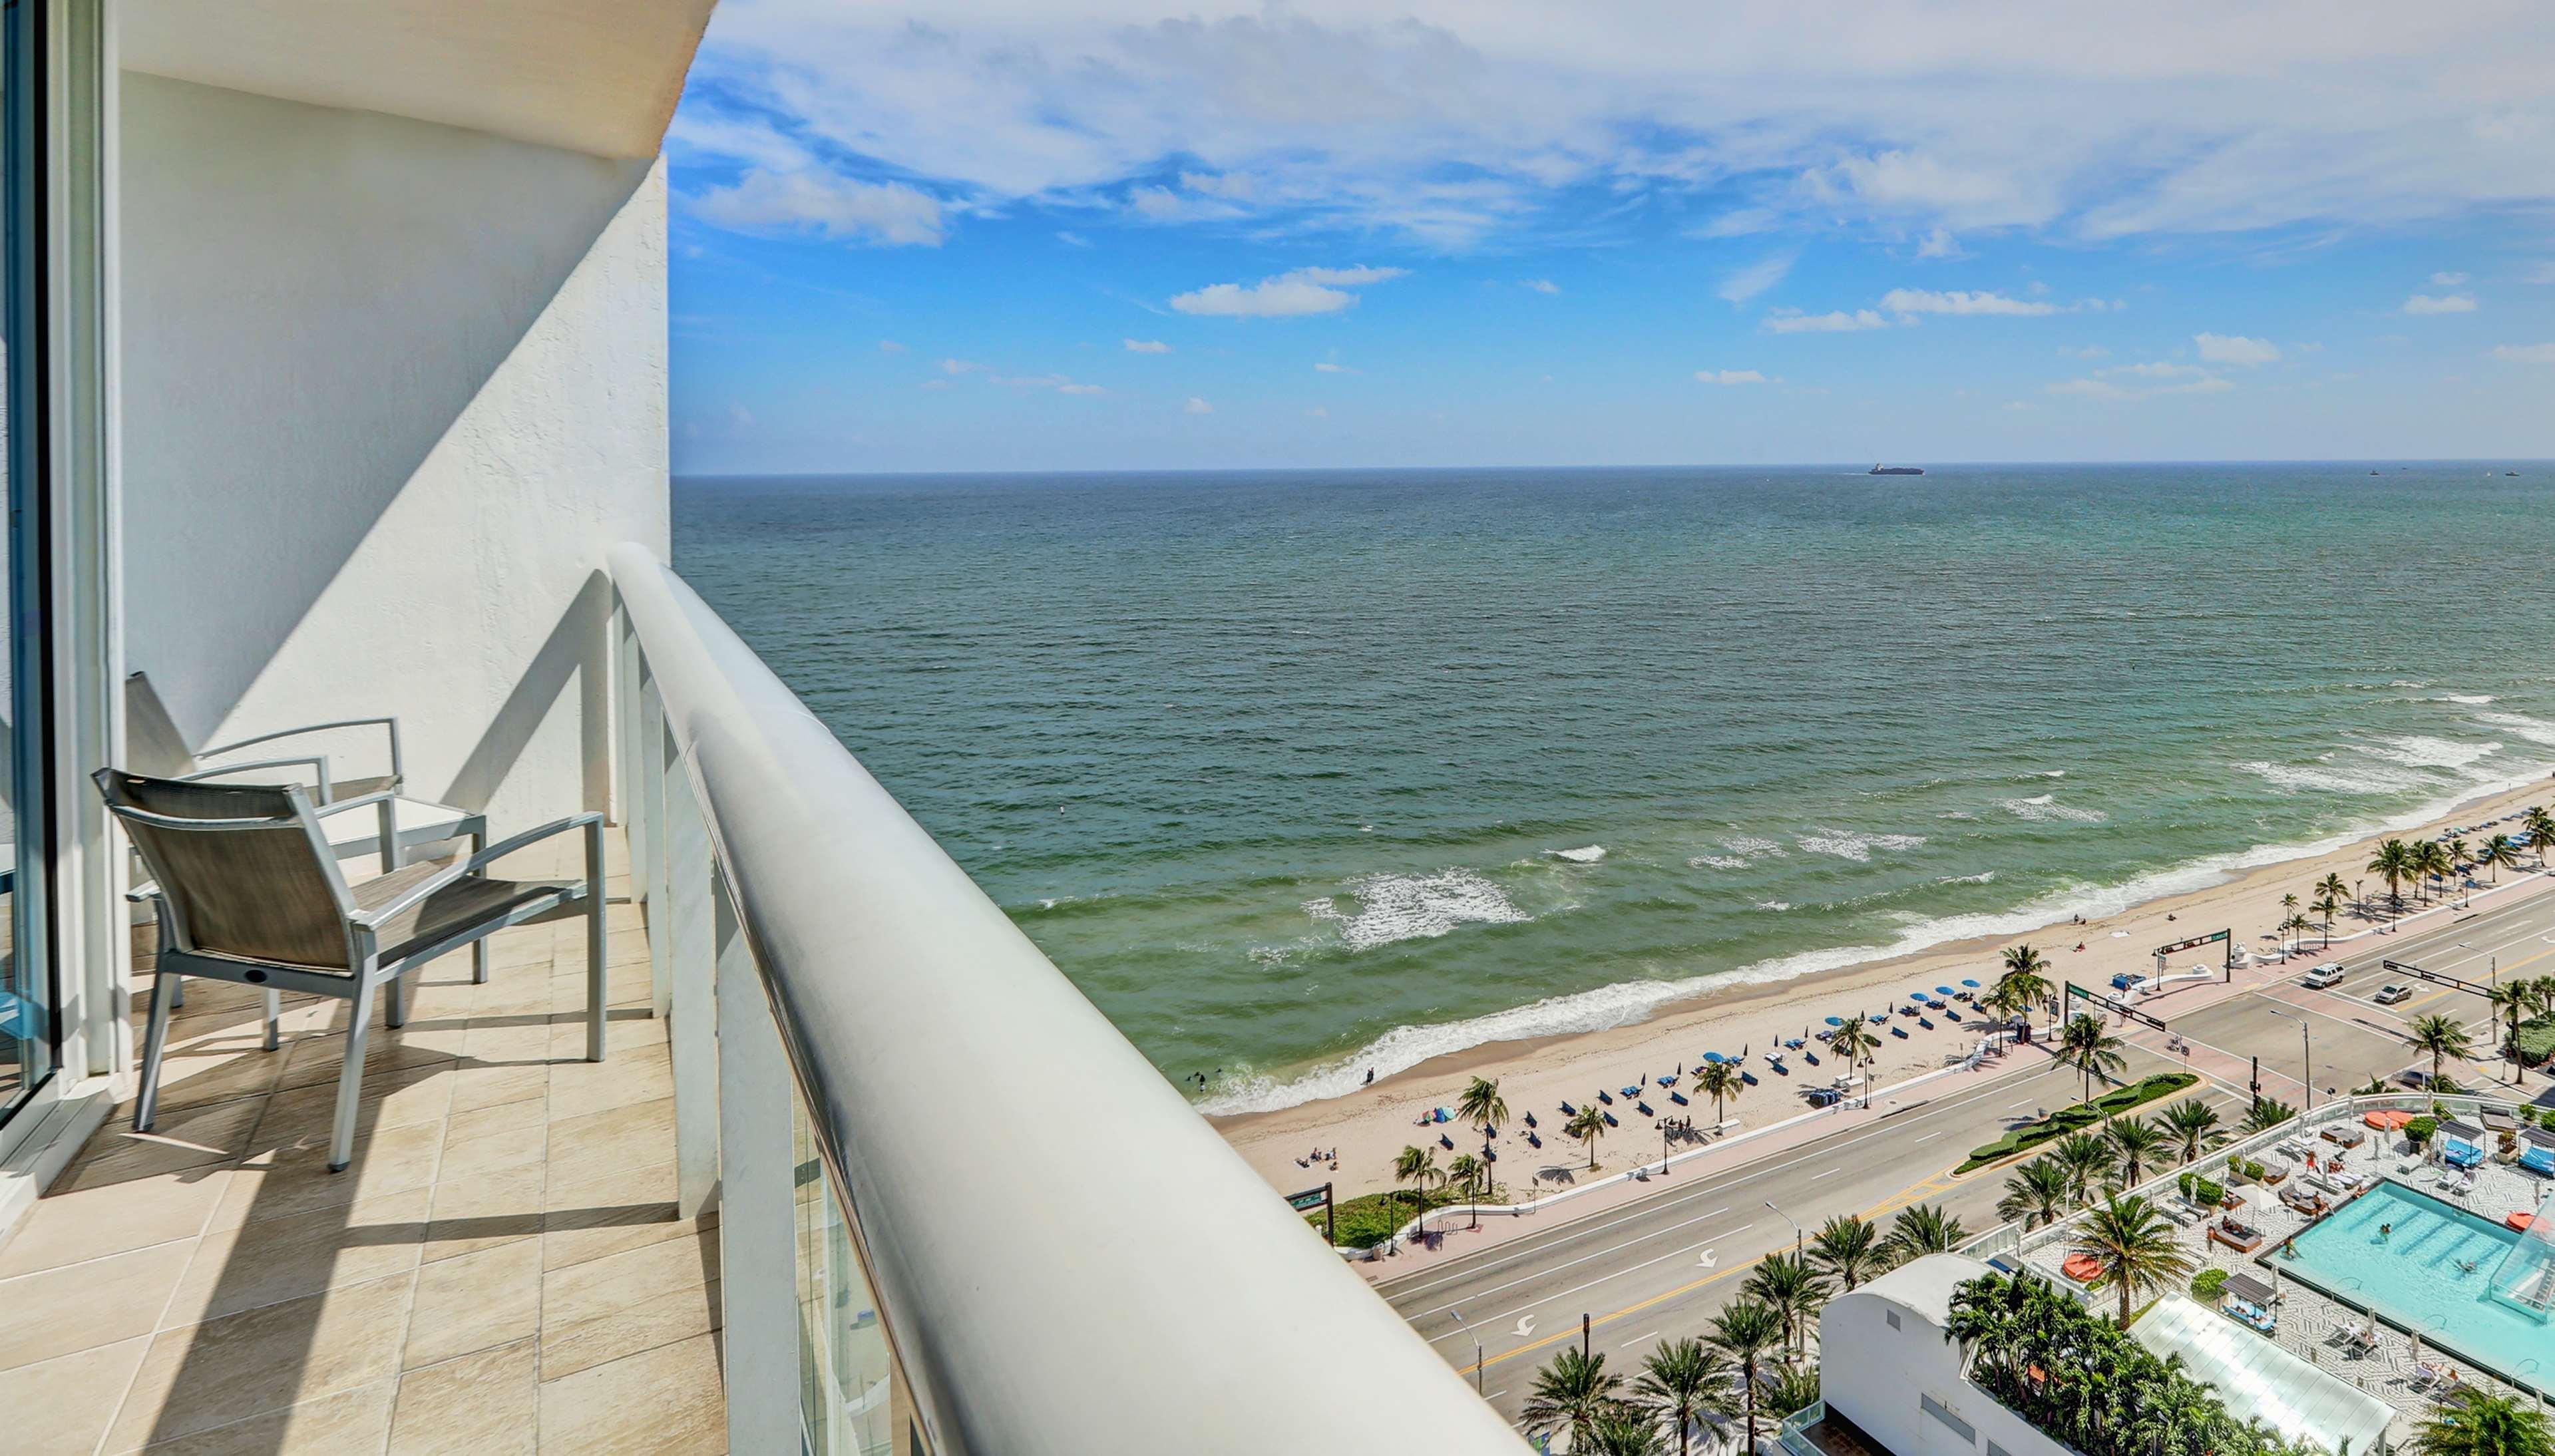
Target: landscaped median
{"type": "Point", "coordinates": [1371, 1218]}
{"type": "Point", "coordinates": [2076, 1119]}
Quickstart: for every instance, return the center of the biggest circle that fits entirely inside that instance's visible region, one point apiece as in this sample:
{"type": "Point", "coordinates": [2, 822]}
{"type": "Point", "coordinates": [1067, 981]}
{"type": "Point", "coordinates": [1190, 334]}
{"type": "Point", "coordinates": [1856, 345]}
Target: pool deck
{"type": "Point", "coordinates": [2311, 1321]}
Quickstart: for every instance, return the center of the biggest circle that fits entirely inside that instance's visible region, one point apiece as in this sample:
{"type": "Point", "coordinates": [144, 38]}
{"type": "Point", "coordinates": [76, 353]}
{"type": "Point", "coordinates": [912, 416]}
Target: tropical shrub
{"type": "Point", "coordinates": [2208, 1285]}
{"type": "Point", "coordinates": [2420, 1130]}
{"type": "Point", "coordinates": [2076, 1118]}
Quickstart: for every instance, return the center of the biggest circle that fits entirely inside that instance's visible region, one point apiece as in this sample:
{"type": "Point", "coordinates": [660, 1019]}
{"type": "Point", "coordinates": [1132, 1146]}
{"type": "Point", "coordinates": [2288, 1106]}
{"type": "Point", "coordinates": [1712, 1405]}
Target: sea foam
{"type": "Point", "coordinates": [2044, 808]}
{"type": "Point", "coordinates": [1392, 908]}
{"type": "Point", "coordinates": [1847, 844]}
{"type": "Point", "coordinates": [1587, 855]}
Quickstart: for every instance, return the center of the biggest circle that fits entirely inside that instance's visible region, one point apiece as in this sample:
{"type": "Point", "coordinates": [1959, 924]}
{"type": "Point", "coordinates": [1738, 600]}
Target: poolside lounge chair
{"type": "Point", "coordinates": [2242, 1236]}
{"type": "Point", "coordinates": [249, 892]}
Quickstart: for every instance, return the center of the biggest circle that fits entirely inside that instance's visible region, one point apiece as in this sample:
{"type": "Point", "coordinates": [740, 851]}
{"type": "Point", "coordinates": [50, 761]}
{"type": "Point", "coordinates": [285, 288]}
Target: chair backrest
{"type": "Point", "coordinates": [245, 868]}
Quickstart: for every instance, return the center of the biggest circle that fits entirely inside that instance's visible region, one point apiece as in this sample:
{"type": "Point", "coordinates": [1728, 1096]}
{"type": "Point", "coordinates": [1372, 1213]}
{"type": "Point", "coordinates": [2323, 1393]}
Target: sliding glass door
{"type": "Point", "coordinates": [27, 987]}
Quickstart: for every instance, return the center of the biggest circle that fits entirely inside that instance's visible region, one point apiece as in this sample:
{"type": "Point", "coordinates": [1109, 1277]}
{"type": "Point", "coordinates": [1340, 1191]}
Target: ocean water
{"type": "Point", "coordinates": [1298, 774]}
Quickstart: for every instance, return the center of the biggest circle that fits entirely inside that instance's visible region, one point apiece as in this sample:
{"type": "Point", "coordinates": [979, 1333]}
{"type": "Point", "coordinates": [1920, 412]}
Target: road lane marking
{"type": "Point", "coordinates": [1638, 1339]}
{"type": "Point", "coordinates": [1831, 1173]}
{"type": "Point", "coordinates": [1930, 1137]}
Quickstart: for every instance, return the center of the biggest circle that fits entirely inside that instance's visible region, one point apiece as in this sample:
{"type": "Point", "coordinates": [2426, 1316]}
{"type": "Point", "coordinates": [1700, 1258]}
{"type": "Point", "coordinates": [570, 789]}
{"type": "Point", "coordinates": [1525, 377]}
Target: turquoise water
{"type": "Point", "coordinates": [1297, 774]}
{"type": "Point", "coordinates": [2416, 1276]}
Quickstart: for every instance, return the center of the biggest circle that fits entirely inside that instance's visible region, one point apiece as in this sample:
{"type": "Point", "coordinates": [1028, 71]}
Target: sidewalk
{"type": "Point", "coordinates": [1450, 1239]}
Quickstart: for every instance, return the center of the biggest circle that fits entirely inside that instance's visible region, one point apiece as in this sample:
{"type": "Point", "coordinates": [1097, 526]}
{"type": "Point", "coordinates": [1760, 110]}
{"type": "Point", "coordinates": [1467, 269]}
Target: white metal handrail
{"type": "Point", "coordinates": [1065, 1257]}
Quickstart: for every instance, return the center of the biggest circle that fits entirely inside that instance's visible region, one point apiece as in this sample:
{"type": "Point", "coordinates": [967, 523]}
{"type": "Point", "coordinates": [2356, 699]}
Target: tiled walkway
{"type": "Point", "coordinates": [501, 1269]}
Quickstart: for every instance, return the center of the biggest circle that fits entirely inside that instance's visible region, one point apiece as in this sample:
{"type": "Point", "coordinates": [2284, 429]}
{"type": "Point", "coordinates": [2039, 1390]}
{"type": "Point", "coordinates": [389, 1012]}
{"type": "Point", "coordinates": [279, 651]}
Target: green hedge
{"type": "Point", "coordinates": [2420, 1129]}
{"type": "Point", "coordinates": [2208, 1285]}
{"type": "Point", "coordinates": [2076, 1119]}
{"type": "Point", "coordinates": [2536, 1040]}
{"type": "Point", "coordinates": [1371, 1218]}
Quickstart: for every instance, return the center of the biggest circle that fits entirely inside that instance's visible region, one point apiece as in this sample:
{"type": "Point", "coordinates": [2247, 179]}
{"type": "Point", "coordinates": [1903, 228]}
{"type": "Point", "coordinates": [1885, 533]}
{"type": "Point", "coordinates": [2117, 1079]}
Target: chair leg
{"type": "Point", "coordinates": [479, 947]}
{"type": "Point", "coordinates": [387, 813]}
{"type": "Point", "coordinates": [274, 1015]}
{"type": "Point", "coordinates": [179, 993]}
{"type": "Point", "coordinates": [155, 1043]}
{"type": "Point", "coordinates": [595, 943]}
{"type": "Point", "coordinates": [350, 1077]}
{"type": "Point", "coordinates": [395, 1015]}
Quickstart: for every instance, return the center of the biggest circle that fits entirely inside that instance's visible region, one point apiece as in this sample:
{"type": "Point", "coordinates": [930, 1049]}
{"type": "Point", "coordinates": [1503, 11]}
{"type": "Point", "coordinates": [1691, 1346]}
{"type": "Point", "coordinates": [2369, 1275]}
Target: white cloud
{"type": "Point", "coordinates": [2443, 304]}
{"type": "Point", "coordinates": [1541, 284]}
{"type": "Point", "coordinates": [2098, 388]}
{"type": "Point", "coordinates": [1836, 322]}
{"type": "Point", "coordinates": [1450, 121]}
{"type": "Point", "coordinates": [1927, 300]}
{"type": "Point", "coordinates": [1288, 295]}
{"type": "Point", "coordinates": [740, 418]}
{"type": "Point", "coordinates": [2524, 353]}
{"type": "Point", "coordinates": [1755, 279]}
{"type": "Point", "coordinates": [2447, 280]}
{"type": "Point", "coordinates": [1145, 346]}
{"type": "Point", "coordinates": [2089, 351]}
{"type": "Point", "coordinates": [2540, 272]}
{"type": "Point", "coordinates": [1061, 384]}
{"type": "Point", "coordinates": [2155, 371]}
{"type": "Point", "coordinates": [959, 366]}
{"type": "Point", "coordinates": [890, 347]}
{"type": "Point", "coordinates": [1940, 244]}
{"type": "Point", "coordinates": [1074, 240]}
{"type": "Point", "coordinates": [1730, 376]}
{"type": "Point", "coordinates": [2237, 349]}
{"type": "Point", "coordinates": [890, 213]}
{"type": "Point", "coordinates": [1317, 412]}
{"type": "Point", "coordinates": [1325, 366]}
{"type": "Point", "coordinates": [1196, 406]}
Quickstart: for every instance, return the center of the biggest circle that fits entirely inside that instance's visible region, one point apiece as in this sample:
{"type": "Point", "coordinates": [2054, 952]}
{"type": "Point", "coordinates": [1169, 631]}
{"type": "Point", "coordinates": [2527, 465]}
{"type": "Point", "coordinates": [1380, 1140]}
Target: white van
{"type": "Point", "coordinates": [2328, 974]}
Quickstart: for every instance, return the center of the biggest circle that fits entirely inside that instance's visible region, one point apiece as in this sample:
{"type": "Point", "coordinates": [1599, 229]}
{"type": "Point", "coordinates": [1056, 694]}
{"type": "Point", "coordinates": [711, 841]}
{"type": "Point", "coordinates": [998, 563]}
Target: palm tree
{"type": "Point", "coordinates": [2194, 1124]}
{"type": "Point", "coordinates": [2085, 1046]}
{"type": "Point", "coordinates": [2027, 972]}
{"type": "Point", "coordinates": [2394, 863]}
{"type": "Point", "coordinates": [2296, 927]}
{"type": "Point", "coordinates": [1921, 1229]}
{"type": "Point", "coordinates": [1484, 1108]}
{"type": "Point", "coordinates": [1416, 1166]}
{"type": "Point", "coordinates": [1745, 1331]}
{"type": "Point", "coordinates": [1853, 1041]}
{"type": "Point", "coordinates": [1587, 1125]}
{"type": "Point", "coordinates": [2331, 887]}
{"type": "Point", "coordinates": [2441, 1037]}
{"type": "Point", "coordinates": [2458, 857]}
{"type": "Point", "coordinates": [2509, 1000]}
{"type": "Point", "coordinates": [2540, 826]}
{"type": "Point", "coordinates": [2267, 1113]}
{"type": "Point", "coordinates": [2088, 1161]}
{"type": "Point", "coordinates": [1465, 1172]}
{"type": "Point", "coordinates": [2434, 860]}
{"type": "Point", "coordinates": [1682, 1382]}
{"type": "Point", "coordinates": [1795, 1387]}
{"type": "Point", "coordinates": [1787, 1284]}
{"type": "Point", "coordinates": [2141, 1144]}
{"type": "Point", "coordinates": [2543, 989]}
{"type": "Point", "coordinates": [1718, 1080]}
{"type": "Point", "coordinates": [2135, 1247]}
{"type": "Point", "coordinates": [1850, 1248]}
{"type": "Point", "coordinates": [1624, 1431]}
{"type": "Point", "coordinates": [2325, 908]}
{"type": "Point", "coordinates": [2288, 907]}
{"type": "Point", "coordinates": [2038, 1194]}
{"type": "Point", "coordinates": [1572, 1393]}
{"type": "Point", "coordinates": [2473, 1424]}
{"type": "Point", "coordinates": [2497, 852]}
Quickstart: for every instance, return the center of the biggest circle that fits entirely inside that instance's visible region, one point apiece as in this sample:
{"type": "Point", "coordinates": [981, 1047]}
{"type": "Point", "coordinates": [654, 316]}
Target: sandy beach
{"type": "Point", "coordinates": [1368, 1129]}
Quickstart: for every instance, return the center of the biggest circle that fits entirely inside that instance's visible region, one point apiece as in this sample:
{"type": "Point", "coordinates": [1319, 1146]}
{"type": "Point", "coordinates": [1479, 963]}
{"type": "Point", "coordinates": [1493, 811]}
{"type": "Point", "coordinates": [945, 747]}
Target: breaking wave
{"type": "Point", "coordinates": [1393, 907]}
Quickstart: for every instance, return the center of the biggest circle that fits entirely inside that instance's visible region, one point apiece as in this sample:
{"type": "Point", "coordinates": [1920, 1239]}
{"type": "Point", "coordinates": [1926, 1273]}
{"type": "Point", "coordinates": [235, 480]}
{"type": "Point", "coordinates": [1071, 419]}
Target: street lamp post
{"type": "Point", "coordinates": [1478, 1370]}
{"type": "Point", "coordinates": [2306, 1046]}
{"type": "Point", "coordinates": [1796, 1227]}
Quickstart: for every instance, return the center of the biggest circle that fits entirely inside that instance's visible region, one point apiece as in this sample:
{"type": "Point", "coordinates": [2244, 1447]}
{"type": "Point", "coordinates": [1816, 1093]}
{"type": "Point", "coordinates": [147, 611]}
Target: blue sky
{"type": "Point", "coordinates": [1003, 236]}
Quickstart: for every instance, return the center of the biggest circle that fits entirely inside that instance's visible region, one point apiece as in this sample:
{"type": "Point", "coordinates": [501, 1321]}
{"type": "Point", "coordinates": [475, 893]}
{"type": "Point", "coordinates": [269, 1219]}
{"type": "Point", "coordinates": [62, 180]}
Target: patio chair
{"type": "Point", "coordinates": [248, 891]}
{"type": "Point", "coordinates": [153, 745]}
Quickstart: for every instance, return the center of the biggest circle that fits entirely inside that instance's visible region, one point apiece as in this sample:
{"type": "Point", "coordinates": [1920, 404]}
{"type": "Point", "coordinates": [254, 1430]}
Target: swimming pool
{"type": "Point", "coordinates": [2432, 1274]}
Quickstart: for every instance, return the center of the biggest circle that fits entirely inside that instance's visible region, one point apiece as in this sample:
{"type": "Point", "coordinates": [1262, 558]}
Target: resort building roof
{"type": "Point", "coordinates": [2259, 1380]}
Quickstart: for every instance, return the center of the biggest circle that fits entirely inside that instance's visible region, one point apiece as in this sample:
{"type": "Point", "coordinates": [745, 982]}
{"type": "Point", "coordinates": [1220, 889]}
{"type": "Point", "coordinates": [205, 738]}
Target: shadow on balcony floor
{"type": "Point", "coordinates": [499, 1270]}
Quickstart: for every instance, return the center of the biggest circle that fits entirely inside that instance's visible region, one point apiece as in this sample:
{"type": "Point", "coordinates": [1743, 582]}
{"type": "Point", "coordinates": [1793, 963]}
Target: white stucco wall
{"type": "Point", "coordinates": [1877, 1377]}
{"type": "Point", "coordinates": [389, 391]}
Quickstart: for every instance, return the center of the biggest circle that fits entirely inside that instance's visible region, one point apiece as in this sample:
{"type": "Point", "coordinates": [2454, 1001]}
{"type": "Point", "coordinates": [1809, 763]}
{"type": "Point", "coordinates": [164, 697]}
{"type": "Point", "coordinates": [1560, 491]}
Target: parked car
{"type": "Point", "coordinates": [2328, 974]}
{"type": "Point", "coordinates": [2392, 994]}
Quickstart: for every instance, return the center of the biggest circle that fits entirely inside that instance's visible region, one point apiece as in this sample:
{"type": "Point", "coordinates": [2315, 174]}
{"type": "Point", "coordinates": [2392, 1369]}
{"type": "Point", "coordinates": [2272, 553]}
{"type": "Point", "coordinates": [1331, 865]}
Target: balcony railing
{"type": "Point", "coordinates": [959, 1213]}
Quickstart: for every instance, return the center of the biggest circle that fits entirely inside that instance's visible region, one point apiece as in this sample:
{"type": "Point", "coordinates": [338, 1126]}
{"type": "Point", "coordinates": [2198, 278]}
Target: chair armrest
{"type": "Point", "coordinates": [318, 766]}
{"type": "Point", "coordinates": [144, 892]}
{"type": "Point", "coordinates": [373, 916]}
{"type": "Point", "coordinates": [359, 802]}
{"type": "Point", "coordinates": [389, 727]}
{"type": "Point", "coordinates": [505, 847]}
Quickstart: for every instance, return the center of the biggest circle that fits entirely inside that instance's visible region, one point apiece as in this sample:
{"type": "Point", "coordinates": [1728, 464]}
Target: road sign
{"type": "Point", "coordinates": [2108, 1004]}
{"type": "Point", "coordinates": [2195, 941]}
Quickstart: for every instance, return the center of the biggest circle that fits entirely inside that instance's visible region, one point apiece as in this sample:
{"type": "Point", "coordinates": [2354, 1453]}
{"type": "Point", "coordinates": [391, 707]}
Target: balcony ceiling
{"type": "Point", "coordinates": [591, 76]}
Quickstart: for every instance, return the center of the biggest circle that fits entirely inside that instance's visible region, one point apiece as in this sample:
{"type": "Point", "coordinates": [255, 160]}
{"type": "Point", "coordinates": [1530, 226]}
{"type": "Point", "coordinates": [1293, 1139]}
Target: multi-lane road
{"type": "Point", "coordinates": [1657, 1269]}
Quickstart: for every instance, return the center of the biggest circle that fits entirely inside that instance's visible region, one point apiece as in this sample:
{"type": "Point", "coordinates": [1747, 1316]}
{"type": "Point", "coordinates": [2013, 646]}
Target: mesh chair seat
{"type": "Point", "coordinates": [457, 906]}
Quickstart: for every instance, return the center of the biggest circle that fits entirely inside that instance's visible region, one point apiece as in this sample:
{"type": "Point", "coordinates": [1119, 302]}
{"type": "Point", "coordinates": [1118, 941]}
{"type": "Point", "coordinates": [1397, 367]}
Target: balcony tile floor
{"type": "Point", "coordinates": [501, 1269]}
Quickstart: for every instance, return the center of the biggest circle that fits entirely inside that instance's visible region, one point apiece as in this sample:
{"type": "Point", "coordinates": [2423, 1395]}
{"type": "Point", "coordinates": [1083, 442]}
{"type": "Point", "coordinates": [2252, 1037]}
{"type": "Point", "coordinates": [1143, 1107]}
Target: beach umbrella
{"type": "Point", "coordinates": [1973, 985]}
{"type": "Point", "coordinates": [1715, 1057]}
{"type": "Point", "coordinates": [1836, 1021]}
{"type": "Point", "coordinates": [1942, 990]}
